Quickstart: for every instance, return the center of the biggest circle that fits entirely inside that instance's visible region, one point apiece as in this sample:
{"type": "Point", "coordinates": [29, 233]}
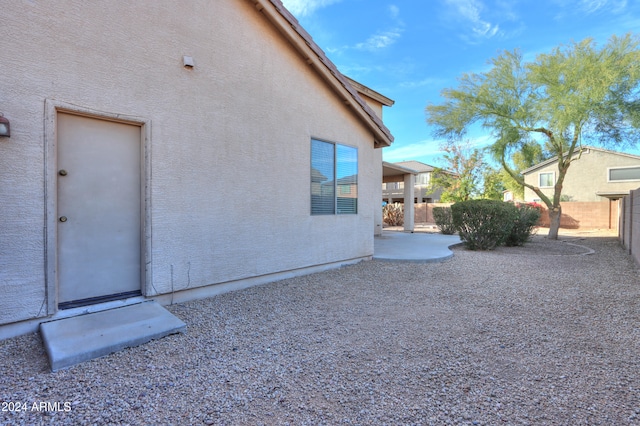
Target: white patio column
{"type": "Point", "coordinates": [409, 207]}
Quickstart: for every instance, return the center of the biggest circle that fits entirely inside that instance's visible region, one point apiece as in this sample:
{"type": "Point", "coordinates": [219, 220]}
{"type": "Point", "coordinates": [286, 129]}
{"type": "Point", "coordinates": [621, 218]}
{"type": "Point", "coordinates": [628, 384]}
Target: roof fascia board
{"type": "Point", "coordinates": [418, 165]}
{"type": "Point", "coordinates": [539, 165]}
{"type": "Point", "coordinates": [399, 168]}
{"type": "Point", "coordinates": [608, 151]}
{"type": "Point", "coordinates": [586, 149]}
{"type": "Point", "coordinates": [361, 88]}
{"type": "Point", "coordinates": [288, 26]}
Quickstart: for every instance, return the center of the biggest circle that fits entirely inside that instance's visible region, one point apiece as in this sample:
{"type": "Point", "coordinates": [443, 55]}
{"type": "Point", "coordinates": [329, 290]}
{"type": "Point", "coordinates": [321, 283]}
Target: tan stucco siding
{"type": "Point", "coordinates": [586, 176]}
{"type": "Point", "coordinates": [229, 144]}
{"type": "Point", "coordinates": [377, 177]}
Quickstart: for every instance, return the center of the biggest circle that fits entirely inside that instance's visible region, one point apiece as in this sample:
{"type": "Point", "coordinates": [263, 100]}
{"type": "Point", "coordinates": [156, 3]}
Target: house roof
{"type": "Point", "coordinates": [416, 165]}
{"type": "Point", "coordinates": [361, 88]}
{"type": "Point", "coordinates": [393, 169]}
{"type": "Point", "coordinates": [585, 148]}
{"type": "Point", "coordinates": [291, 29]}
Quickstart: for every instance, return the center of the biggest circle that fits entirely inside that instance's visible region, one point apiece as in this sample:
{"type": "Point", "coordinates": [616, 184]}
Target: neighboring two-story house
{"type": "Point", "coordinates": [595, 174]}
{"type": "Point", "coordinates": [394, 191]}
{"type": "Point", "coordinates": [595, 182]}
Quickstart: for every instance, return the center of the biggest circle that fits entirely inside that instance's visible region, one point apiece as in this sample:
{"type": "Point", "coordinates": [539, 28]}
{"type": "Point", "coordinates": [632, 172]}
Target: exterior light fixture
{"type": "Point", "coordinates": [5, 128]}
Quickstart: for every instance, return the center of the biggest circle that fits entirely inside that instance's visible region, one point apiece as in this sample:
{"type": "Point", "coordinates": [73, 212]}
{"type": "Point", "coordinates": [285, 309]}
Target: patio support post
{"type": "Point", "coordinates": [409, 214]}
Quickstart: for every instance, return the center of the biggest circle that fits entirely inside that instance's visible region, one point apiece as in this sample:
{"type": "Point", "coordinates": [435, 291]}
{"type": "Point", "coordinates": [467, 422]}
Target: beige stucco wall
{"type": "Point", "coordinates": [377, 107]}
{"type": "Point", "coordinates": [229, 140]}
{"type": "Point", "coordinates": [377, 221]}
{"type": "Point", "coordinates": [586, 176]}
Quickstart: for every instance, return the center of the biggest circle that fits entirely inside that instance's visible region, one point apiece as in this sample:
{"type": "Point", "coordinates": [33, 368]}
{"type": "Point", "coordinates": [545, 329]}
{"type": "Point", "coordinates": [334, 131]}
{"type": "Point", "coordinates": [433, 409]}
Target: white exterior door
{"type": "Point", "coordinates": [99, 210]}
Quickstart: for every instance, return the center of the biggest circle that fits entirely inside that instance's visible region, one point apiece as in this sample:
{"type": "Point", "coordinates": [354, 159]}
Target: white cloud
{"type": "Point", "coordinates": [429, 150]}
{"type": "Point", "coordinates": [508, 10]}
{"type": "Point", "coordinates": [591, 6]}
{"type": "Point", "coordinates": [427, 82]}
{"type": "Point", "coordinates": [380, 40]}
{"type": "Point", "coordinates": [386, 38]}
{"type": "Point", "coordinates": [301, 8]}
{"type": "Point", "coordinates": [614, 6]}
{"type": "Point", "coordinates": [394, 10]}
{"type": "Point", "coordinates": [415, 151]}
{"type": "Point", "coordinates": [481, 141]}
{"type": "Point", "coordinates": [470, 11]}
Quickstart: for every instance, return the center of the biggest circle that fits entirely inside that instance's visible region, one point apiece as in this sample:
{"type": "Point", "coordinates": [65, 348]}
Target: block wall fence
{"type": "Point", "coordinates": [629, 225]}
{"type": "Point", "coordinates": [575, 215]}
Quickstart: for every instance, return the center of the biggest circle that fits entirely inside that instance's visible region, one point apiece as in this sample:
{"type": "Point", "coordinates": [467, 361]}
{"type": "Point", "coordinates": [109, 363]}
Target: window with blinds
{"type": "Point", "coordinates": [334, 178]}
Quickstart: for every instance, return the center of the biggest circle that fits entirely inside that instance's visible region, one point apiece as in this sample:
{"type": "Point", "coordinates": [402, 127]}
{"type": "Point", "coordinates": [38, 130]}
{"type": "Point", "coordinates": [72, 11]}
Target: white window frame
{"type": "Point", "coordinates": [553, 178]}
{"type": "Point", "coordinates": [609, 169]}
{"type": "Point", "coordinates": [423, 179]}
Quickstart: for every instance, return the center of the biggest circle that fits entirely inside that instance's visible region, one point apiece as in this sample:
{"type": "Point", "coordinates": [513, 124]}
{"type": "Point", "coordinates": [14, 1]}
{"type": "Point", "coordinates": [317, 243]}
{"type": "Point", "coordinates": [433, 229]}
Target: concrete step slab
{"type": "Point", "coordinates": [74, 340]}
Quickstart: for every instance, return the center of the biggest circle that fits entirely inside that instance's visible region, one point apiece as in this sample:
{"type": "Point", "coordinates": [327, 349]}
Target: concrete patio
{"type": "Point", "coordinates": [420, 247]}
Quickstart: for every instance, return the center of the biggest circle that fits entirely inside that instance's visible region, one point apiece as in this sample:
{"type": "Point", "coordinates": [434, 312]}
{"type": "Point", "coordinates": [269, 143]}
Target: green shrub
{"type": "Point", "coordinates": [483, 224]}
{"type": "Point", "coordinates": [444, 221]}
{"type": "Point", "coordinates": [393, 214]}
{"type": "Point", "coordinates": [524, 224]}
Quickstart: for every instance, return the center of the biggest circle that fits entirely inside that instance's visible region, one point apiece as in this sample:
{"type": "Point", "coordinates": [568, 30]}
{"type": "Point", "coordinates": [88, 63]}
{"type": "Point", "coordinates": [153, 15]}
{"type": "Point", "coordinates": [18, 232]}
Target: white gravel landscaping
{"type": "Point", "coordinates": [548, 333]}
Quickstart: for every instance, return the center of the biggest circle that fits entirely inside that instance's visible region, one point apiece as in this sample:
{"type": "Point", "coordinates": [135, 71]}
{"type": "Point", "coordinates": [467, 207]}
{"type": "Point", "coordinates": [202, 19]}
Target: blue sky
{"type": "Point", "coordinates": [409, 50]}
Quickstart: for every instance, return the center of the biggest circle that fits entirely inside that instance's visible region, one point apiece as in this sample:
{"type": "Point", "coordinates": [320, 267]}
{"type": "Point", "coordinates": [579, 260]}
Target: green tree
{"type": "Point", "coordinates": [576, 93]}
{"type": "Point", "coordinates": [528, 155]}
{"type": "Point", "coordinates": [492, 184]}
{"type": "Point", "coordinates": [461, 177]}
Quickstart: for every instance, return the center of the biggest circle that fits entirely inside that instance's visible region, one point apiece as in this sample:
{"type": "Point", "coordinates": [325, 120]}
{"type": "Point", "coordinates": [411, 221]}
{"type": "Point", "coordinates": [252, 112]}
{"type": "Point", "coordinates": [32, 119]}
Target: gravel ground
{"type": "Point", "coordinates": [542, 334]}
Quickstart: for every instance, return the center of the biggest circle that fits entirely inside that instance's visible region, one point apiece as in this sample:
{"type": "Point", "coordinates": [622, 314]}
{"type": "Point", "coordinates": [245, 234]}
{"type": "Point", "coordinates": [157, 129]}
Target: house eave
{"type": "Point", "coordinates": [361, 88]}
{"type": "Point", "coordinates": [390, 169]}
{"type": "Point", "coordinates": [289, 27]}
{"type": "Point", "coordinates": [613, 195]}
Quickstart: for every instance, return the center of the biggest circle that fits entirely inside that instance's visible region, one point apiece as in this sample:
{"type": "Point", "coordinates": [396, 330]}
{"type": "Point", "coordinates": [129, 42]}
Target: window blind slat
{"type": "Point", "coordinates": [347, 179]}
{"type": "Point", "coordinates": [322, 178]}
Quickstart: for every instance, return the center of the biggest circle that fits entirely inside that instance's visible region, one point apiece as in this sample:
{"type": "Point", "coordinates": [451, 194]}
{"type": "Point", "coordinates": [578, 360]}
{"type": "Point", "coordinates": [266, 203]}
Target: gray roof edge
{"type": "Point", "coordinates": [584, 148]}
{"type": "Point", "coordinates": [424, 166]}
{"type": "Point", "coordinates": [399, 168]}
{"type": "Point", "coordinates": [370, 92]}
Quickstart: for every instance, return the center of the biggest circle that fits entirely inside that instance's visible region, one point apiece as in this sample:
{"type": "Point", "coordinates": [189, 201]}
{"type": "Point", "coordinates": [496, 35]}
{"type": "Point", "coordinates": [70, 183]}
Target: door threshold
{"type": "Point", "coordinates": [98, 307]}
{"type": "Point", "coordinates": [97, 300]}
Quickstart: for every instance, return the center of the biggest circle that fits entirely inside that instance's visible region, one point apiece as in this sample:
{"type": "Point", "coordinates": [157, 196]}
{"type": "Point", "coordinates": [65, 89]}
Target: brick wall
{"type": "Point", "coordinates": [582, 215]}
{"type": "Point", "coordinates": [585, 215]}
{"type": "Point", "coordinates": [424, 211]}
{"type": "Point", "coordinates": [420, 215]}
